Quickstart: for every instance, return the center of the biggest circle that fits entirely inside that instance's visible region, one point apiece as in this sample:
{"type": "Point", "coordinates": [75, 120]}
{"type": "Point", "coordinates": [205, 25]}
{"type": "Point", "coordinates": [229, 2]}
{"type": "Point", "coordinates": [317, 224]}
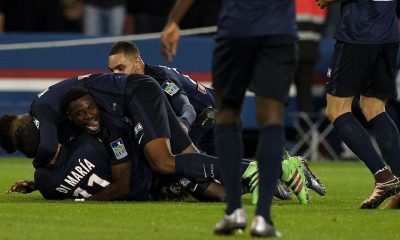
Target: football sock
{"type": "Point", "coordinates": [387, 137]}
{"type": "Point", "coordinates": [229, 149]}
{"type": "Point", "coordinates": [196, 165]}
{"type": "Point", "coordinates": [269, 157]}
{"type": "Point", "coordinates": [358, 140]}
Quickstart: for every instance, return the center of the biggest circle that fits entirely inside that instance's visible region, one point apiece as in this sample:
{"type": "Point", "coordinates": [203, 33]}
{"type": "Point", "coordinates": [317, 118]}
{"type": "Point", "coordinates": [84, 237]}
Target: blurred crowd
{"type": "Point", "coordinates": [110, 17]}
{"type": "Point", "coordinates": [99, 17]}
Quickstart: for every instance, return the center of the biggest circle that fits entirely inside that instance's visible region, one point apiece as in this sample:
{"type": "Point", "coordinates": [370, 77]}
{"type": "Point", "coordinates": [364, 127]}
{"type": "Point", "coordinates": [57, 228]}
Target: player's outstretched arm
{"type": "Point", "coordinates": [23, 186]}
{"type": "Point", "coordinates": [121, 176]}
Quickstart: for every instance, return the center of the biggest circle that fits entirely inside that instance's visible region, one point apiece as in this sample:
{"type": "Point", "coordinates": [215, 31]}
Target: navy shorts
{"type": "Point", "coordinates": [366, 69]}
{"type": "Point", "coordinates": [151, 114]}
{"type": "Point", "coordinates": [264, 65]}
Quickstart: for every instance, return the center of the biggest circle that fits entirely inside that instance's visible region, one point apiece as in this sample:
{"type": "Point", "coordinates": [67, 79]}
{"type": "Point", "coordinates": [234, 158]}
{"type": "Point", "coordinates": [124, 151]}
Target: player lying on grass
{"type": "Point", "coordinates": [106, 88]}
{"type": "Point", "coordinates": [84, 103]}
{"type": "Point", "coordinates": [82, 168]}
{"type": "Point", "coordinates": [80, 101]}
{"type": "Point", "coordinates": [138, 98]}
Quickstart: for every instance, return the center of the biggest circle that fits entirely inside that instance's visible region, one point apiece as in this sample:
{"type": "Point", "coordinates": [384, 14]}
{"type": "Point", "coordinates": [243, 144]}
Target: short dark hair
{"type": "Point", "coordinates": [27, 139]}
{"type": "Point", "coordinates": [6, 137]}
{"type": "Point", "coordinates": [124, 47]}
{"type": "Point", "coordinates": [73, 94]}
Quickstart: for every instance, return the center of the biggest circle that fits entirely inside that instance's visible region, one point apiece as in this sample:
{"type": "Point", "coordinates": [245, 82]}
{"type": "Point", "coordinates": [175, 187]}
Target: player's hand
{"type": "Point", "coordinates": [185, 129]}
{"type": "Point", "coordinates": [24, 186]}
{"type": "Point", "coordinates": [169, 40]}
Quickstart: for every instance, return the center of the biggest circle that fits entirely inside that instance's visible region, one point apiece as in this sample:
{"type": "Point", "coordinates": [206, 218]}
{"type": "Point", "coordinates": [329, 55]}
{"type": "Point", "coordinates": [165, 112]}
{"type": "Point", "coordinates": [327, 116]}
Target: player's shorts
{"type": "Point", "coordinates": [366, 69]}
{"type": "Point", "coordinates": [264, 65]}
{"type": "Point", "coordinates": [151, 115]}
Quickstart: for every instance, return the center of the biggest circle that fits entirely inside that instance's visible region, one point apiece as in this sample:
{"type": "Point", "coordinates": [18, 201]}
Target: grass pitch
{"type": "Point", "coordinates": [335, 216]}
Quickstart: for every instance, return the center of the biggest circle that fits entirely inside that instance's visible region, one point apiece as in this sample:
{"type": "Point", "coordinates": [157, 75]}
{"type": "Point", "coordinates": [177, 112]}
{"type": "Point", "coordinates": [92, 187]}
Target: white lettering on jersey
{"type": "Point", "coordinates": [78, 173]}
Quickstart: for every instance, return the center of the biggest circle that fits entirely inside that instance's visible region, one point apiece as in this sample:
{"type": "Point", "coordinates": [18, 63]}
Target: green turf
{"type": "Point", "coordinates": [335, 216]}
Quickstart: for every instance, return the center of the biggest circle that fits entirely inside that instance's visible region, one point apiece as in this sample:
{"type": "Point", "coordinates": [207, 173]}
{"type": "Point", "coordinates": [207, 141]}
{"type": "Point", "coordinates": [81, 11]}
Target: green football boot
{"type": "Point", "coordinates": [293, 176]}
{"type": "Point", "coordinates": [250, 181]}
{"type": "Point", "coordinates": [313, 181]}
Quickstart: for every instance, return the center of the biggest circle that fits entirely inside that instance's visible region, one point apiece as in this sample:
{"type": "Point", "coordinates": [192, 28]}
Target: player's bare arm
{"type": "Point", "coordinates": [121, 175]}
{"type": "Point", "coordinates": [23, 186]}
{"type": "Point", "coordinates": [170, 35]}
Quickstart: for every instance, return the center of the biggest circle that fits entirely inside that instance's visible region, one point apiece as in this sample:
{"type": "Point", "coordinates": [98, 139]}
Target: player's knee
{"type": "Point", "coordinates": [330, 115]}
{"type": "Point", "coordinates": [333, 111]}
{"type": "Point", "coordinates": [228, 111]}
{"type": "Point", "coordinates": [371, 107]}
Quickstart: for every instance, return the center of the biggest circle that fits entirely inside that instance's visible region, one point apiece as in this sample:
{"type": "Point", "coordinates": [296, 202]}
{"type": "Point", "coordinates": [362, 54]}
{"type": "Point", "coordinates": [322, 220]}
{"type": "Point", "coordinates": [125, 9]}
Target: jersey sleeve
{"type": "Point", "coordinates": [45, 119]}
{"type": "Point", "coordinates": [184, 110]}
{"type": "Point", "coordinates": [45, 179]}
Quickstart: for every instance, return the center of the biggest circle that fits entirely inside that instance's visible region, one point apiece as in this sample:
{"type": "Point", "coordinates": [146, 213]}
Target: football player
{"type": "Point", "coordinates": [193, 103]}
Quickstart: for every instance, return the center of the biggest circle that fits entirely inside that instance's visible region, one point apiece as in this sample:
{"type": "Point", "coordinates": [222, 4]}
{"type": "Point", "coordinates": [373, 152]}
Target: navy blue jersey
{"type": "Point", "coordinates": [174, 83]}
{"type": "Point", "coordinates": [118, 138]}
{"type": "Point", "coordinates": [116, 134]}
{"type": "Point", "coordinates": [137, 97]}
{"type": "Point", "coordinates": [81, 170]}
{"type": "Point", "coordinates": [108, 91]}
{"type": "Point", "coordinates": [248, 18]}
{"type": "Point", "coordinates": [368, 22]}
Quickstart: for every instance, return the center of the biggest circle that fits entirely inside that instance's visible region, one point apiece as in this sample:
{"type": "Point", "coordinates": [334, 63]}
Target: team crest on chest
{"type": "Point", "coordinates": [170, 88]}
{"type": "Point", "coordinates": [118, 148]}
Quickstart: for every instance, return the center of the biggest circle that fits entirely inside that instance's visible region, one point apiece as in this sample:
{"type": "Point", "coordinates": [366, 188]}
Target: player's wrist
{"type": "Point", "coordinates": [184, 122]}
{"type": "Point", "coordinates": [31, 186]}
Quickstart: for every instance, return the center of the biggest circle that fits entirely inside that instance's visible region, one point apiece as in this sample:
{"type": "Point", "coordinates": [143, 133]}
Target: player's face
{"type": "Point", "coordinates": [85, 114]}
{"type": "Point", "coordinates": [122, 63]}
